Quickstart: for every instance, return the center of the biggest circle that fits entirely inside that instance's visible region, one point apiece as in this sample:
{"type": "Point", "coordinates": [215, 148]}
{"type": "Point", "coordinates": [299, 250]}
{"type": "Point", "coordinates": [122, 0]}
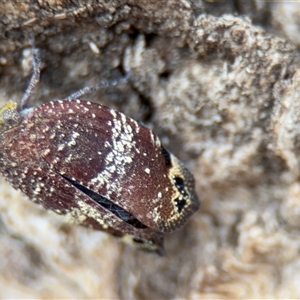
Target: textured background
{"type": "Point", "coordinates": [219, 82]}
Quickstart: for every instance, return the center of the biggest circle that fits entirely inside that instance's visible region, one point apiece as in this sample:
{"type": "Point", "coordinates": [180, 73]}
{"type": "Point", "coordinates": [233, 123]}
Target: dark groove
{"type": "Point", "coordinates": [108, 204]}
{"type": "Point", "coordinates": [167, 156]}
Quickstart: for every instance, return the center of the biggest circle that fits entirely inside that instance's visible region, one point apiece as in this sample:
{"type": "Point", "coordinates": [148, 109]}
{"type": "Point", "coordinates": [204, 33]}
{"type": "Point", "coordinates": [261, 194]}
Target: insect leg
{"type": "Point", "coordinates": [101, 85]}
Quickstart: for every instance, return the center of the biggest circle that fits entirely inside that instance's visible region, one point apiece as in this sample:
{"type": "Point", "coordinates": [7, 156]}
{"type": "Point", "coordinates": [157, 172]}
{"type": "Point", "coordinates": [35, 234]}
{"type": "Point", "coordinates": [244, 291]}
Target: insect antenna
{"type": "Point", "coordinates": [35, 78]}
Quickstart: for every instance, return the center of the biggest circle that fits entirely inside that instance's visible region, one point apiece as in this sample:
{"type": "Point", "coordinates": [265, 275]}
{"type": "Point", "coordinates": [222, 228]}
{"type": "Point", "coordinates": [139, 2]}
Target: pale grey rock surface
{"type": "Point", "coordinates": [221, 92]}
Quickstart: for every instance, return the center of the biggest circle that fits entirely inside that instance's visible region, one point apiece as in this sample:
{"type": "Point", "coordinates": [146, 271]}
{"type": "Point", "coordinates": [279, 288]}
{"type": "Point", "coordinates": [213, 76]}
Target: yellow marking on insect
{"type": "Point", "coordinates": [8, 106]}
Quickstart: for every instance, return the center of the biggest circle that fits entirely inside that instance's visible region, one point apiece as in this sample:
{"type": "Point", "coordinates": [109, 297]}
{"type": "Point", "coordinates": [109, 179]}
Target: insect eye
{"type": "Point", "coordinates": [180, 204]}
{"type": "Point", "coordinates": [179, 183]}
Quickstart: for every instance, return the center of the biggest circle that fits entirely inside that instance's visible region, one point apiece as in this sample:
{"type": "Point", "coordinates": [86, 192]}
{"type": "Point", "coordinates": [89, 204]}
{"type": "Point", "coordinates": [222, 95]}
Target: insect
{"type": "Point", "coordinates": [96, 166]}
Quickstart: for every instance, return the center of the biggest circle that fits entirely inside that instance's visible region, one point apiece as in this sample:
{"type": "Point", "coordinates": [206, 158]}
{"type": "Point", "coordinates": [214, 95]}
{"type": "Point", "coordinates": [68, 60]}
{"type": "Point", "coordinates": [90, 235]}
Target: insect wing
{"type": "Point", "coordinates": [109, 154]}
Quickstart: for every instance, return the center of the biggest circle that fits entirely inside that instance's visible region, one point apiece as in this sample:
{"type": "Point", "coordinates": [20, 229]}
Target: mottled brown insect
{"type": "Point", "coordinates": [95, 166]}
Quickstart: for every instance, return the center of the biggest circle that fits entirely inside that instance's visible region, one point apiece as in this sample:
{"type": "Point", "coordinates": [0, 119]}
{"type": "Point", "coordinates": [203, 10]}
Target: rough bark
{"type": "Point", "coordinates": [221, 92]}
